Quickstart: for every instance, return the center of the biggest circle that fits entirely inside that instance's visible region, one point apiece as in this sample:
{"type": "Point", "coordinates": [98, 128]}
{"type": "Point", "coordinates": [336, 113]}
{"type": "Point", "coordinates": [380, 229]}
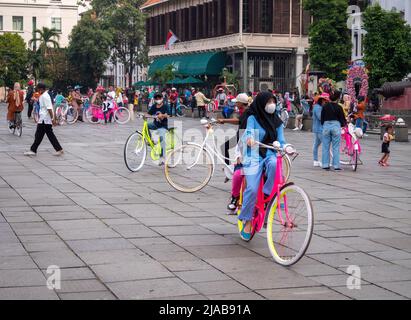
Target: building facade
{"type": "Point", "coordinates": [115, 75]}
{"type": "Point", "coordinates": [263, 41]}
{"type": "Point", "coordinates": [25, 16]}
{"type": "Point", "coordinates": [402, 6]}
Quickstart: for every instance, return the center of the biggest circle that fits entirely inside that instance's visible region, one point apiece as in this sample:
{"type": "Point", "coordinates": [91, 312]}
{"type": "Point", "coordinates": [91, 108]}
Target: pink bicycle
{"type": "Point", "coordinates": [350, 146]}
{"type": "Point", "coordinates": [287, 210]}
{"type": "Point", "coordinates": [95, 114]}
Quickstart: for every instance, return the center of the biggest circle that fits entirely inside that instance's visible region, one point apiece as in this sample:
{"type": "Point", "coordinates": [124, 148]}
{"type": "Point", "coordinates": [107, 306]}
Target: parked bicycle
{"type": "Point", "coordinates": [66, 113]}
{"type": "Point", "coordinates": [135, 149]}
{"type": "Point", "coordinates": [190, 167]}
{"type": "Point", "coordinates": [287, 213]}
{"type": "Point", "coordinates": [96, 114]}
{"type": "Point", "coordinates": [350, 146]}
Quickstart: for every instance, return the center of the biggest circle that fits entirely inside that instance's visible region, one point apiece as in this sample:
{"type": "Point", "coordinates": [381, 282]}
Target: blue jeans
{"type": "Point", "coordinates": [253, 180]}
{"type": "Point", "coordinates": [331, 136]}
{"type": "Point", "coordinates": [359, 123]}
{"type": "Point", "coordinates": [162, 133]}
{"type": "Point", "coordinates": [317, 142]}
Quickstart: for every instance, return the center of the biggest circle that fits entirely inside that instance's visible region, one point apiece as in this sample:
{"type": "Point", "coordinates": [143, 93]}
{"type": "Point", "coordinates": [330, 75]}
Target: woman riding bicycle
{"type": "Point", "coordinates": [263, 125]}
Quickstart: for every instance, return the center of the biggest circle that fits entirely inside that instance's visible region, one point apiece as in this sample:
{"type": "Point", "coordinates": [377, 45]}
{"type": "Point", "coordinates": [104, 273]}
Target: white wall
{"type": "Point", "coordinates": [399, 5]}
{"type": "Point", "coordinates": [43, 10]}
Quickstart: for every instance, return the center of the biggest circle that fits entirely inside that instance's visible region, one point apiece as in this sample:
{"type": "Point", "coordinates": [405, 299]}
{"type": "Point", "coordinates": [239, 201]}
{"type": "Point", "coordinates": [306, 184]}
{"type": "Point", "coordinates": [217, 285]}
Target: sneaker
{"type": "Point", "coordinates": [30, 153]}
{"type": "Point", "coordinates": [58, 153]}
{"type": "Point", "coordinates": [301, 126]}
{"type": "Point", "coordinates": [327, 168]}
{"type": "Point", "coordinates": [161, 162]}
{"type": "Point", "coordinates": [296, 129]}
{"type": "Point", "coordinates": [317, 164]}
{"type": "Point", "coordinates": [338, 169]}
{"type": "Point", "coordinates": [233, 204]}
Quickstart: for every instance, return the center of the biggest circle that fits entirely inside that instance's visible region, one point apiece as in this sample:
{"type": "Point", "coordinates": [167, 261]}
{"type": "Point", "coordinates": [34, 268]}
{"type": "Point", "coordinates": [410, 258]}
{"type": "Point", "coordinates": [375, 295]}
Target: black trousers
{"type": "Point", "coordinates": [43, 129]}
{"type": "Point", "coordinates": [202, 112]}
{"type": "Point", "coordinates": [29, 109]}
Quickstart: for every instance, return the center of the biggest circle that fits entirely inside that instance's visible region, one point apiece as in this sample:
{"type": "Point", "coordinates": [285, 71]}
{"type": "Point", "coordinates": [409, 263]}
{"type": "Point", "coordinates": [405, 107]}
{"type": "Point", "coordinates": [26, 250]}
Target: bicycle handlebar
{"type": "Point", "coordinates": [288, 149]}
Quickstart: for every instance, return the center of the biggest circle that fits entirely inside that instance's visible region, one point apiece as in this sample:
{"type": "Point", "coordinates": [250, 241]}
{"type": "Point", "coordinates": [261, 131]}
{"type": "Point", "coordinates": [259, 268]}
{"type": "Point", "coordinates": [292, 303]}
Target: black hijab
{"type": "Point", "coordinates": [270, 122]}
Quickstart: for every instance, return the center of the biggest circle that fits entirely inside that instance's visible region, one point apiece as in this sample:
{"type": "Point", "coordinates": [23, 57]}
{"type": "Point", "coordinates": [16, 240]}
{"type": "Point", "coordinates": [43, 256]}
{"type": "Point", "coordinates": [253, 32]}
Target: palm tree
{"type": "Point", "coordinates": [47, 38]}
{"type": "Point", "coordinates": [48, 41]}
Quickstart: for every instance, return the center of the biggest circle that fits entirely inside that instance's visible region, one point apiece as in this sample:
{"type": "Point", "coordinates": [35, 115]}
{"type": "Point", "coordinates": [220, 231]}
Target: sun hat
{"type": "Point", "coordinates": [242, 98]}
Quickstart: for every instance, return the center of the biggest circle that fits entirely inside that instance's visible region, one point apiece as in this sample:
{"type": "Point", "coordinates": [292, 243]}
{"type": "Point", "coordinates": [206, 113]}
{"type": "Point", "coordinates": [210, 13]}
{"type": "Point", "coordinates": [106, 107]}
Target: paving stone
{"type": "Point", "coordinates": [314, 293]}
{"type": "Point", "coordinates": [369, 292]}
{"type": "Point", "coordinates": [99, 244]}
{"type": "Point", "coordinates": [236, 296]}
{"type": "Point", "coordinates": [71, 286]}
{"type": "Point", "coordinates": [61, 258]}
{"type": "Point", "coordinates": [134, 231]}
{"type": "Point", "coordinates": [97, 295]}
{"type": "Point", "coordinates": [402, 288]}
{"type": "Point", "coordinates": [21, 278]}
{"type": "Point", "coordinates": [16, 263]}
{"type": "Point", "coordinates": [340, 260]}
{"type": "Point", "coordinates": [201, 276]}
{"type": "Point", "coordinates": [28, 293]}
{"type": "Point", "coordinates": [112, 256]}
{"type": "Point", "coordinates": [82, 273]}
{"type": "Point", "coordinates": [151, 289]}
{"type": "Point", "coordinates": [128, 271]}
{"type": "Point", "coordinates": [219, 287]}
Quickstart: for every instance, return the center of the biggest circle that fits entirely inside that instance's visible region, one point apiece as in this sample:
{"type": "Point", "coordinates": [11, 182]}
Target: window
{"type": "Point", "coordinates": [56, 24]}
{"type": "Point", "coordinates": [17, 23]}
{"type": "Point", "coordinates": [1, 22]}
{"type": "Point", "coordinates": [246, 18]}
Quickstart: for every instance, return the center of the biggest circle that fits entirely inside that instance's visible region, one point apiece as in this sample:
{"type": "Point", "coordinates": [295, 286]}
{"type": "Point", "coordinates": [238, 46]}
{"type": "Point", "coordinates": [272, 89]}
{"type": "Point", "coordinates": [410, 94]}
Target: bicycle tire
{"type": "Point", "coordinates": [140, 147]}
{"type": "Point", "coordinates": [122, 113]}
{"type": "Point", "coordinates": [19, 126]}
{"type": "Point", "coordinates": [275, 246]}
{"type": "Point", "coordinates": [284, 117]}
{"type": "Point", "coordinates": [90, 115]}
{"type": "Point", "coordinates": [182, 154]}
{"type": "Point", "coordinates": [59, 116]}
{"type": "Point", "coordinates": [72, 115]}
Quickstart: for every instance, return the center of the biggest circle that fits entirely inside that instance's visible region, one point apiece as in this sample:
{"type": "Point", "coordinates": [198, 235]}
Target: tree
{"type": "Point", "coordinates": [230, 77]}
{"type": "Point", "coordinates": [387, 46]}
{"type": "Point", "coordinates": [89, 49]}
{"type": "Point", "coordinates": [126, 22]}
{"type": "Point", "coordinates": [162, 76]}
{"type": "Point", "coordinates": [329, 37]}
{"type": "Point", "coordinates": [13, 59]}
{"type": "Point", "coordinates": [47, 38]}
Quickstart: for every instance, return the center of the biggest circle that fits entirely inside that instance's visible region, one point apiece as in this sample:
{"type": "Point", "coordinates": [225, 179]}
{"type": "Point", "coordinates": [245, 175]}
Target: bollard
{"type": "Point", "coordinates": [401, 133]}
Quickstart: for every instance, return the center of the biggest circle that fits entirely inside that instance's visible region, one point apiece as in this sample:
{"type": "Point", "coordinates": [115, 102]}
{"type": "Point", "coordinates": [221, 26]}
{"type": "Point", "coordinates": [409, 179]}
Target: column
{"type": "Point", "coordinates": [245, 70]}
{"type": "Point", "coordinates": [299, 67]}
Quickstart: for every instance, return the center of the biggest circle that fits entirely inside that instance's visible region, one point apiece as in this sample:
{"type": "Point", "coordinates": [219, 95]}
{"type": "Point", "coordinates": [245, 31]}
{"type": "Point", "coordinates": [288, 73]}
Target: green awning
{"type": "Point", "coordinates": [209, 63]}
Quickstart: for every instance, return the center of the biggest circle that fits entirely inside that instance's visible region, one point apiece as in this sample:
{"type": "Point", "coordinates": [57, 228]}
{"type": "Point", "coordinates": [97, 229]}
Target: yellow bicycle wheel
{"type": "Point", "coordinates": [290, 227]}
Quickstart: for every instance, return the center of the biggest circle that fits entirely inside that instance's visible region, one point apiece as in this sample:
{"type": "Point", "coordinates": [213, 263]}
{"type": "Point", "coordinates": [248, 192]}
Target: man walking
{"type": "Point", "coordinates": [29, 96]}
{"type": "Point", "coordinates": [45, 124]}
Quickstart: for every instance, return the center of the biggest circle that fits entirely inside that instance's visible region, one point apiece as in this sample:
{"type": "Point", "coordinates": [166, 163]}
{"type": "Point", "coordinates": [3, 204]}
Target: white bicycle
{"type": "Point", "coordinates": [190, 167]}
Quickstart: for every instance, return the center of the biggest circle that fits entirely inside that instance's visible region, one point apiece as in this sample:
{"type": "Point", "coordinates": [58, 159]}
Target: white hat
{"type": "Point", "coordinates": [173, 89]}
{"type": "Point", "coordinates": [242, 98]}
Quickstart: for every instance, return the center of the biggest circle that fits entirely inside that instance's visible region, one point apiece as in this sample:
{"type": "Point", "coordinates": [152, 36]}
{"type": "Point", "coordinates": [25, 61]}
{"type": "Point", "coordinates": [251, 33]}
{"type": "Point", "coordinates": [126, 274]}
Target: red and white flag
{"type": "Point", "coordinates": [171, 39]}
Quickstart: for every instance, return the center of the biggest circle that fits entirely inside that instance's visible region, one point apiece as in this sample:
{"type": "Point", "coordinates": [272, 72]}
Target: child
{"type": "Point", "coordinates": [58, 101]}
{"type": "Point", "coordinates": [108, 104]}
{"type": "Point", "coordinates": [388, 137]}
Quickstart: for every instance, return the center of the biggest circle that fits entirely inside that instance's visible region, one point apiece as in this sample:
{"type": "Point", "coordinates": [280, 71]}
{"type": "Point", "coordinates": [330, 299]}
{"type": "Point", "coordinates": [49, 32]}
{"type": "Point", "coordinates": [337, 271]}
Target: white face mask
{"type": "Point", "coordinates": [270, 108]}
{"type": "Point", "coordinates": [159, 101]}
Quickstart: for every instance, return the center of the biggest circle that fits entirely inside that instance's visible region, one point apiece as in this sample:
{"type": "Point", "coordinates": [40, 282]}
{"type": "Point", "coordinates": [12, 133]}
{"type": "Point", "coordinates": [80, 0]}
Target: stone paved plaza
{"type": "Point", "coordinates": [118, 235]}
